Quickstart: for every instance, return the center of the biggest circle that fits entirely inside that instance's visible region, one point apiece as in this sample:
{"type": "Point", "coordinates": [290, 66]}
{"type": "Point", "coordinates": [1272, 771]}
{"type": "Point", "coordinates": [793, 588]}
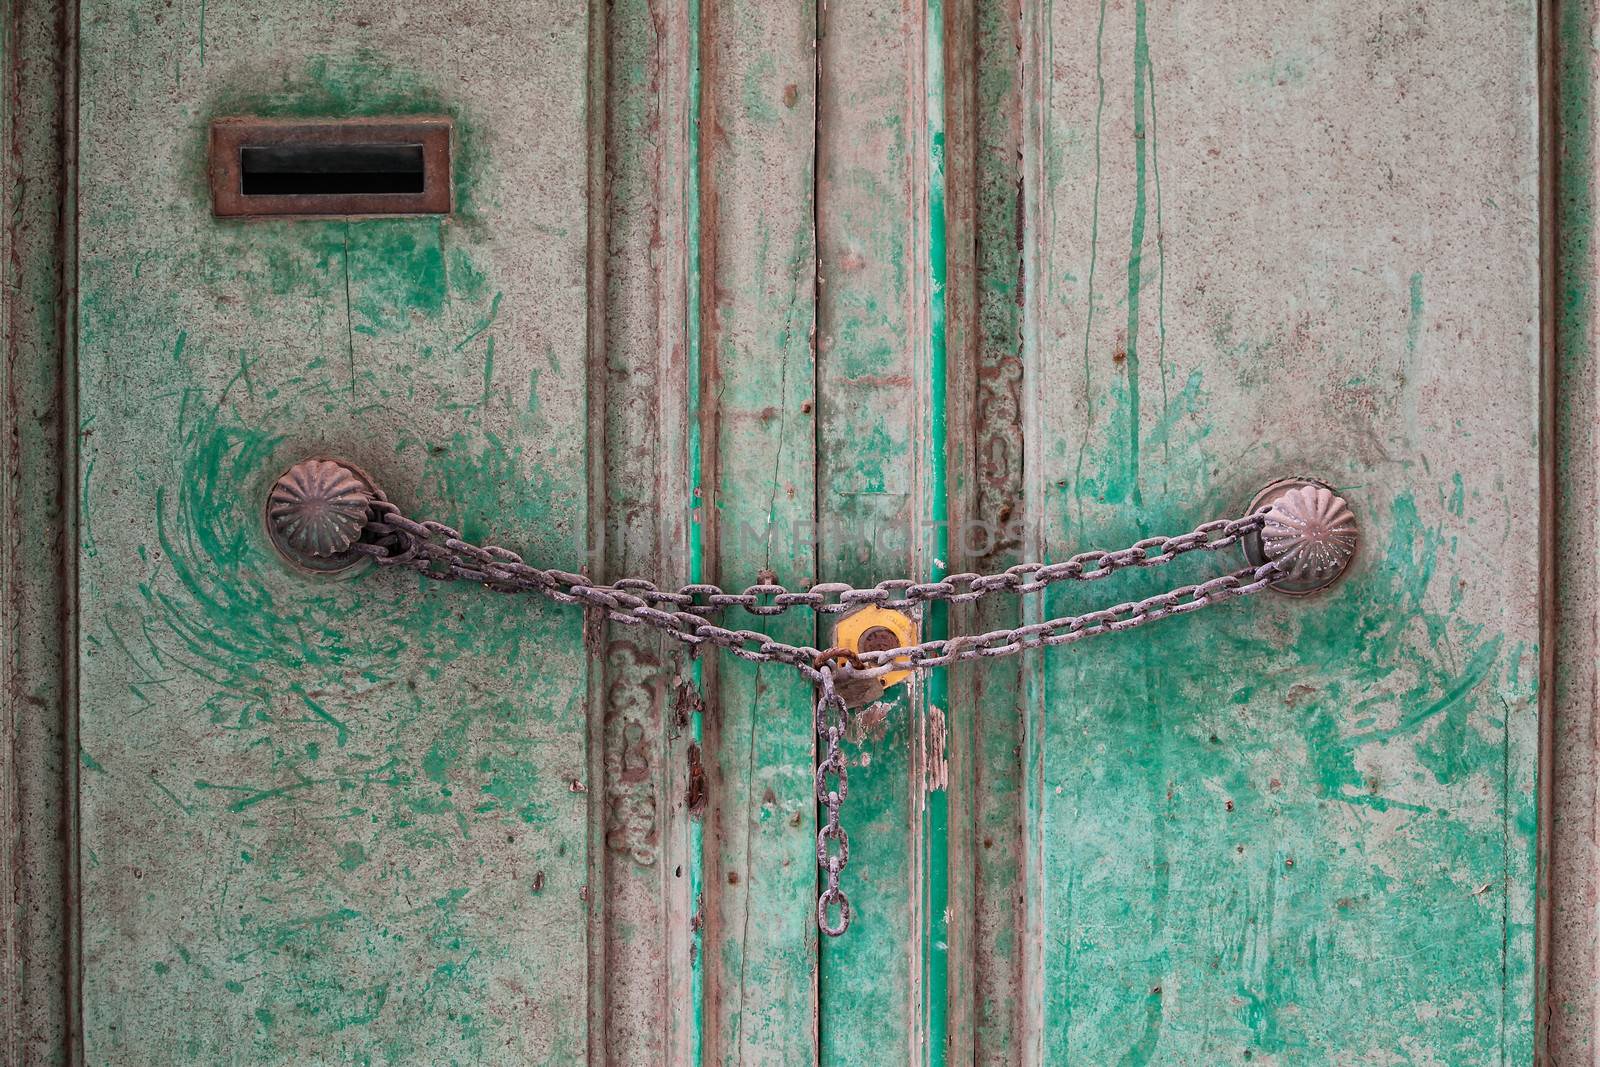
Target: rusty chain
{"type": "Point", "coordinates": [436, 551]}
{"type": "Point", "coordinates": [833, 717]}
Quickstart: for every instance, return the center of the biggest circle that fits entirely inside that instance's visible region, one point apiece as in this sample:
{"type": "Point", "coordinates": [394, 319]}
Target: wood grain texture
{"type": "Point", "coordinates": [38, 1008]}
{"type": "Point", "coordinates": [346, 820]}
{"type": "Point", "coordinates": [642, 997]}
{"type": "Point", "coordinates": [871, 325]}
{"type": "Point", "coordinates": [1572, 946]}
{"type": "Point", "coordinates": [1282, 240]}
{"type": "Point", "coordinates": [758, 389]}
{"type": "Point", "coordinates": [983, 46]}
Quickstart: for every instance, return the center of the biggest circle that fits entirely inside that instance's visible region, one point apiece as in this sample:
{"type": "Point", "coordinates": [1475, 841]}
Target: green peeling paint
{"type": "Point", "coordinates": [353, 765]}
{"type": "Point", "coordinates": [935, 934]}
{"type": "Point", "coordinates": [696, 561]}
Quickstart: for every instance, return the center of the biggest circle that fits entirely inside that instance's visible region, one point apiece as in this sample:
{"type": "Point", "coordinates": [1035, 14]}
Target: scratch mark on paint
{"type": "Point", "coordinates": [86, 538]}
{"type": "Point", "coordinates": [187, 809]}
{"type": "Point", "coordinates": [488, 373]}
{"type": "Point", "coordinates": [488, 321]}
{"type": "Point", "coordinates": [1414, 321]}
{"type": "Point", "coordinates": [254, 795]}
{"type": "Point", "coordinates": [1350, 795]}
{"type": "Point", "coordinates": [1476, 670]}
{"type": "Point", "coordinates": [1161, 265]}
{"type": "Point", "coordinates": [341, 731]}
{"type": "Point", "coordinates": [245, 363]}
{"type": "Point", "coordinates": [1141, 65]}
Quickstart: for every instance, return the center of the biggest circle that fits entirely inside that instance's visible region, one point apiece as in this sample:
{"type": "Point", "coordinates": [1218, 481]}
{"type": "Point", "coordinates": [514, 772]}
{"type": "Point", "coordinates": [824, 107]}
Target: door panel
{"type": "Point", "coordinates": [756, 397]}
{"type": "Point", "coordinates": [1290, 240]}
{"type": "Point", "coordinates": [872, 370]}
{"type": "Point", "coordinates": [329, 821]}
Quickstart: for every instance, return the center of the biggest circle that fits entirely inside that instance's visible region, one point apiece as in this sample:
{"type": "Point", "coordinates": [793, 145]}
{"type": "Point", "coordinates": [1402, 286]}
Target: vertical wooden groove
{"type": "Point", "coordinates": [960, 293]}
{"type": "Point", "coordinates": [985, 295]}
{"type": "Point", "coordinates": [1550, 512]}
{"type": "Point", "coordinates": [1568, 953]}
{"type": "Point", "coordinates": [642, 703]}
{"type": "Point", "coordinates": [67, 432]}
{"type": "Point", "coordinates": [595, 537]}
{"type": "Point", "coordinates": [39, 995]}
{"type": "Point", "coordinates": [933, 561]}
{"type": "Point", "coordinates": [705, 469]}
{"type": "Point", "coordinates": [692, 521]}
{"type": "Point", "coordinates": [677, 189]}
{"type": "Point", "coordinates": [818, 492]}
{"type": "Point", "coordinates": [1034, 100]}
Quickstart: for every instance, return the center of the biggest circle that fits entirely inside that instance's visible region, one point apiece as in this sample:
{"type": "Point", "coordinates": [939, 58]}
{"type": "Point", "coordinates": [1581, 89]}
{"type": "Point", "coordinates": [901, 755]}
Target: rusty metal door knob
{"type": "Point", "coordinates": [316, 511]}
{"type": "Point", "coordinates": [1310, 531]}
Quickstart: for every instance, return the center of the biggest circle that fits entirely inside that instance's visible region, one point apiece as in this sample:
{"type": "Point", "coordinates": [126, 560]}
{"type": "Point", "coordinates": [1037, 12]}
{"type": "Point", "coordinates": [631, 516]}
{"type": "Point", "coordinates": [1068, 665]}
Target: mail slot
{"type": "Point", "coordinates": [330, 166]}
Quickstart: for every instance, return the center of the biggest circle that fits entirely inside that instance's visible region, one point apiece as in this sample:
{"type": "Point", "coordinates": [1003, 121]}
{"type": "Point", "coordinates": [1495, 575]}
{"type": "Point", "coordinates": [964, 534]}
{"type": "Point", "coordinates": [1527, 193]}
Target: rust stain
{"type": "Point", "coordinates": [870, 723]}
{"type": "Point", "coordinates": [697, 784]}
{"type": "Point", "coordinates": [684, 704]}
{"type": "Point", "coordinates": [936, 773]}
{"type": "Point", "coordinates": [898, 381]}
{"type": "Point", "coordinates": [1297, 693]}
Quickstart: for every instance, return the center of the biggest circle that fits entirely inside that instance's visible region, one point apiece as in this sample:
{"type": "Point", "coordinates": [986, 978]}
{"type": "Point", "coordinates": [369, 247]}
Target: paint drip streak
{"type": "Point", "coordinates": [1141, 64]}
{"type": "Point", "coordinates": [1094, 247]}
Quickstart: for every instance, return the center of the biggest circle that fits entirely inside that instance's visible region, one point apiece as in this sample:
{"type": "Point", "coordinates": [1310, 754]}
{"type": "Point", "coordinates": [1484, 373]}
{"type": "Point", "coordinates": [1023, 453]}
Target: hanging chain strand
{"type": "Point", "coordinates": [833, 844]}
{"type": "Point", "coordinates": [437, 551]}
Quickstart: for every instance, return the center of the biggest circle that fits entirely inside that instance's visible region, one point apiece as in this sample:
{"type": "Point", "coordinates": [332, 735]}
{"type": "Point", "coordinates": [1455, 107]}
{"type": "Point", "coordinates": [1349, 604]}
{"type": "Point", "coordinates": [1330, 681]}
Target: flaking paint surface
{"type": "Point", "coordinates": [328, 821]}
{"type": "Point", "coordinates": [1292, 832]}
{"type": "Point", "coordinates": [758, 397]}
{"type": "Point", "coordinates": [868, 321]}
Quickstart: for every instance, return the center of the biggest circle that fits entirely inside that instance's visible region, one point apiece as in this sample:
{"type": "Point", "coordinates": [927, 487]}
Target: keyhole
{"type": "Point", "coordinates": [878, 639]}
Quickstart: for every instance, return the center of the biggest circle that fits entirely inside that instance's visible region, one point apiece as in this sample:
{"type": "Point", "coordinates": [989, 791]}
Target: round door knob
{"type": "Point", "coordinates": [316, 512]}
{"type": "Point", "coordinates": [1310, 532]}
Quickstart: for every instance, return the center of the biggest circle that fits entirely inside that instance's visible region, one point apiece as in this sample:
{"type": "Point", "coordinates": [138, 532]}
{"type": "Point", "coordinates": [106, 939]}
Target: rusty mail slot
{"type": "Point", "coordinates": [330, 166]}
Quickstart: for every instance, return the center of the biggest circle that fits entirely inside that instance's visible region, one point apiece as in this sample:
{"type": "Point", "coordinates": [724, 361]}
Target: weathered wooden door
{"type": "Point", "coordinates": [840, 292]}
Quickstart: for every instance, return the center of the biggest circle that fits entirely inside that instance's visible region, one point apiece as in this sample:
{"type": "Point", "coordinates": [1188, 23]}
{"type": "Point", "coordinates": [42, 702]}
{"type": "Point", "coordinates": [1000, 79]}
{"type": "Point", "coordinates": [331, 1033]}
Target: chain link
{"type": "Point", "coordinates": [436, 551]}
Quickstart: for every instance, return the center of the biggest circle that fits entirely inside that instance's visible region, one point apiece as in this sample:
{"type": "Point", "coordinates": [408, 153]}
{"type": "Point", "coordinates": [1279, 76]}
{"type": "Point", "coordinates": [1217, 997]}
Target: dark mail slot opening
{"type": "Point", "coordinates": [330, 166]}
{"type": "Point", "coordinates": [328, 169]}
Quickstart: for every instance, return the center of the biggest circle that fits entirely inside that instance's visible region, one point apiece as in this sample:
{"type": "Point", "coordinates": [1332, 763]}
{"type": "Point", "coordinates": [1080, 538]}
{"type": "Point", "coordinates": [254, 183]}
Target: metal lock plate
{"type": "Point", "coordinates": [872, 629]}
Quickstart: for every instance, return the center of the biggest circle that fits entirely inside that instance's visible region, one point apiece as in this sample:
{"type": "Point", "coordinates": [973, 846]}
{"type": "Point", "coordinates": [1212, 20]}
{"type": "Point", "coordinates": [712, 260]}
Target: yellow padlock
{"type": "Point", "coordinates": [874, 629]}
